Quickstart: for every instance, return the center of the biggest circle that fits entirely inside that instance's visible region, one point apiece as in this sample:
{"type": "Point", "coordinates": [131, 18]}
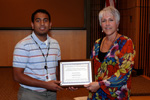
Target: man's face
{"type": "Point", "coordinates": [41, 24]}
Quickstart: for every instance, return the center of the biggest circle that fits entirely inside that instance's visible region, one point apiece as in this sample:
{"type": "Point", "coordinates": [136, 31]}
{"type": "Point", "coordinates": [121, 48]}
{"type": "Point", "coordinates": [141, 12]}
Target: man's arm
{"type": "Point", "coordinates": [19, 76]}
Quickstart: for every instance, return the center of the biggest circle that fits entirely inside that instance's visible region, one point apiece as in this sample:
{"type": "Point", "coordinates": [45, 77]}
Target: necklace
{"type": "Point", "coordinates": [45, 57]}
{"type": "Point", "coordinates": [111, 43]}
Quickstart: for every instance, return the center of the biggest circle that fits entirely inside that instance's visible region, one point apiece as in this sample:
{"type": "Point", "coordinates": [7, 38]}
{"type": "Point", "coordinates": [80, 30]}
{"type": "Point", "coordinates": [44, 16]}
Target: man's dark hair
{"type": "Point", "coordinates": [40, 11]}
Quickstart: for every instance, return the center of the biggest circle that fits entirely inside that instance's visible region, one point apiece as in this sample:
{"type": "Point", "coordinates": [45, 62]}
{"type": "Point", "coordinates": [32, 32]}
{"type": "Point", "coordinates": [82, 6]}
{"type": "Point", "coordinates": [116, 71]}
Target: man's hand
{"type": "Point", "coordinates": [20, 77]}
{"type": "Point", "coordinates": [72, 88]}
{"type": "Point", "coordinates": [53, 85]}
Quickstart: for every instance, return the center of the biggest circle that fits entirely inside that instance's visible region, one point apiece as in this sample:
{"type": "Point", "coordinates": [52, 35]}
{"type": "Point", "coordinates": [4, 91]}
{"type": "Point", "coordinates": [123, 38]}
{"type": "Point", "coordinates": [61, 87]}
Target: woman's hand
{"type": "Point", "coordinates": [93, 87]}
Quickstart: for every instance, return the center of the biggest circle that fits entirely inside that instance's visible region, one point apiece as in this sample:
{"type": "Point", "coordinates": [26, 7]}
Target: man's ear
{"type": "Point", "coordinates": [50, 25]}
{"type": "Point", "coordinates": [32, 25]}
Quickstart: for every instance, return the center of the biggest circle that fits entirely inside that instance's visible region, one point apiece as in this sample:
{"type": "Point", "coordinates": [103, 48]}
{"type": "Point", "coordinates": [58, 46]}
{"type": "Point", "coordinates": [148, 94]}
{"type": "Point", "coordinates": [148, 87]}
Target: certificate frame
{"type": "Point", "coordinates": [75, 73]}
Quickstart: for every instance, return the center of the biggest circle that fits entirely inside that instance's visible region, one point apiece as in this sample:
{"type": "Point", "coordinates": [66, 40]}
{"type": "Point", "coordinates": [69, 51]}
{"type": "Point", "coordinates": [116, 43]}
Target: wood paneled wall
{"type": "Point", "coordinates": [96, 31]}
{"type": "Point", "coordinates": [135, 24]}
{"type": "Point", "coordinates": [64, 13]}
{"type": "Point", "coordinates": [72, 43]}
{"type": "Point", "coordinates": [129, 22]}
{"type": "Point", "coordinates": [144, 45]}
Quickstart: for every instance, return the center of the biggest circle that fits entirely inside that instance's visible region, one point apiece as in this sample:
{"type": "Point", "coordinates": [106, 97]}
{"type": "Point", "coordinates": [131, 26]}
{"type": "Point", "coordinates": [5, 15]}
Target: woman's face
{"type": "Point", "coordinates": [109, 24]}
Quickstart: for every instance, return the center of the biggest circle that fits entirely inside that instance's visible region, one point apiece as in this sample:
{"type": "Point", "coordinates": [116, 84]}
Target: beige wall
{"type": "Point", "coordinates": [72, 43]}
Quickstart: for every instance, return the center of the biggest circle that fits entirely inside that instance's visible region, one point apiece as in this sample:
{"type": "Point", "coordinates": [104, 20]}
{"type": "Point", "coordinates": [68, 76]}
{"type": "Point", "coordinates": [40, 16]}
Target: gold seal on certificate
{"type": "Point", "coordinates": [75, 72]}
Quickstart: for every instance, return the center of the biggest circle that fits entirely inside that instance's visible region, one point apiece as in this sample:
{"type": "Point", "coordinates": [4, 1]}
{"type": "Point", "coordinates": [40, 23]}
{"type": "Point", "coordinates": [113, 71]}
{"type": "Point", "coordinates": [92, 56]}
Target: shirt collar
{"type": "Point", "coordinates": [38, 40]}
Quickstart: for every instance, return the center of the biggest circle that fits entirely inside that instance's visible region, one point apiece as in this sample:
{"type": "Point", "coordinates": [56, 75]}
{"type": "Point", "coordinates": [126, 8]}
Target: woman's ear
{"type": "Point", "coordinates": [118, 24]}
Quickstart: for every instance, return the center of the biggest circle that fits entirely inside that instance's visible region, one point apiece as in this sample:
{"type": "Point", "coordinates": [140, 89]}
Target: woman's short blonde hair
{"type": "Point", "coordinates": [112, 10]}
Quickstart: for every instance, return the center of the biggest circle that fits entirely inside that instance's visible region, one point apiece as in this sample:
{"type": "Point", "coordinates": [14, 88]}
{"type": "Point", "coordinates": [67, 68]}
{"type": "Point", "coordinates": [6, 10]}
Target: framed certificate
{"type": "Point", "coordinates": [75, 73]}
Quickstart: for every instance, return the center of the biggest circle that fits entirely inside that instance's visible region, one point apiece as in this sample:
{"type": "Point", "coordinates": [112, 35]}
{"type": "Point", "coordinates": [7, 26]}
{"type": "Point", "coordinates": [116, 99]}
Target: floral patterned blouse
{"type": "Point", "coordinates": [114, 72]}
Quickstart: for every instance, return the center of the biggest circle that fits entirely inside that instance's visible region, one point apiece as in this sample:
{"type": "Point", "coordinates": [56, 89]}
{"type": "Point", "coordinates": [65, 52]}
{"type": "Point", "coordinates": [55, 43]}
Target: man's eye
{"type": "Point", "coordinates": [37, 20]}
{"type": "Point", "coordinates": [45, 20]}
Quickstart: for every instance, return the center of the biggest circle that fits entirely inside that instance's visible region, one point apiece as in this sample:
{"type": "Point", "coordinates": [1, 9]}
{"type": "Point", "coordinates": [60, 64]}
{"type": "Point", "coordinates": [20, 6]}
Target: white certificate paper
{"type": "Point", "coordinates": [73, 73]}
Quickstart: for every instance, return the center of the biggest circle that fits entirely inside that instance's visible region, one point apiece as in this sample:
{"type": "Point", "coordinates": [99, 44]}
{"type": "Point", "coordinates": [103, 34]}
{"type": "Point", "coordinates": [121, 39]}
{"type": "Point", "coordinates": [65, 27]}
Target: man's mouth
{"type": "Point", "coordinates": [42, 28]}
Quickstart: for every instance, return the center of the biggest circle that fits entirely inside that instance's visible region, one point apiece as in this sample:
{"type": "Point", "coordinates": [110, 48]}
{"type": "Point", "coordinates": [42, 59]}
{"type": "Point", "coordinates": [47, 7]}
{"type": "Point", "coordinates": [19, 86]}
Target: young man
{"type": "Point", "coordinates": [35, 60]}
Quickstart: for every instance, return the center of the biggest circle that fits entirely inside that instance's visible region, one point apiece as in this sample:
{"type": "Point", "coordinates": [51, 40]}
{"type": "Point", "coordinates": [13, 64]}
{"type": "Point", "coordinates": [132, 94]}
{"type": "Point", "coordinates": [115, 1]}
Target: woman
{"type": "Point", "coordinates": [113, 58]}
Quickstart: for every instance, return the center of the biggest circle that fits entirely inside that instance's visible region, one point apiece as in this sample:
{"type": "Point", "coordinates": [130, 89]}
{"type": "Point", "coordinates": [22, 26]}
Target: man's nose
{"type": "Point", "coordinates": [42, 22]}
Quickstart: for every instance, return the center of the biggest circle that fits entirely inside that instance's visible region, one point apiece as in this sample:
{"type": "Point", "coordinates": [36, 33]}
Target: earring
{"type": "Point", "coordinates": [117, 29]}
{"type": "Point", "coordinates": [102, 31]}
